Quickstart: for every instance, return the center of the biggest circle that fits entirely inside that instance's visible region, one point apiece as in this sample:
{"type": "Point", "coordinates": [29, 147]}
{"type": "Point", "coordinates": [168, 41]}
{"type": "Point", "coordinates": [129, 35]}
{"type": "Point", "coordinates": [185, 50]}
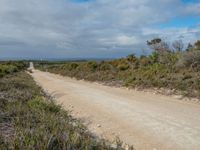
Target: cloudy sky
{"type": "Point", "coordinates": [92, 28]}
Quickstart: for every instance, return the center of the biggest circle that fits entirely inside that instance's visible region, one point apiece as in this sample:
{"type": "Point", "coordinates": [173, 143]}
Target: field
{"type": "Point", "coordinates": [29, 119]}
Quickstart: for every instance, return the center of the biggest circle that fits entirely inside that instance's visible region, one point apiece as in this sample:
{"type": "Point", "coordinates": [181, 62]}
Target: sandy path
{"type": "Point", "coordinates": [143, 119]}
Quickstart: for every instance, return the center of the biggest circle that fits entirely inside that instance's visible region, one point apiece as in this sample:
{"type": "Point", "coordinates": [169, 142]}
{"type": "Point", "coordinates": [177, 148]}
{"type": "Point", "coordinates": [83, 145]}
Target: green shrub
{"type": "Point", "coordinates": [154, 57]}
{"type": "Point", "coordinates": [73, 66]}
{"type": "Point", "coordinates": [92, 65]}
{"type": "Point", "coordinates": [104, 66]}
{"type": "Point", "coordinates": [123, 67]}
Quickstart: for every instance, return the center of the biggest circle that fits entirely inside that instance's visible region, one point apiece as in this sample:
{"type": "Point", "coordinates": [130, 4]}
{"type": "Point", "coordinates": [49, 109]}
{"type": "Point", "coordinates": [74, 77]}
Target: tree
{"type": "Point", "coordinates": [178, 45]}
{"type": "Point", "coordinates": [158, 45]}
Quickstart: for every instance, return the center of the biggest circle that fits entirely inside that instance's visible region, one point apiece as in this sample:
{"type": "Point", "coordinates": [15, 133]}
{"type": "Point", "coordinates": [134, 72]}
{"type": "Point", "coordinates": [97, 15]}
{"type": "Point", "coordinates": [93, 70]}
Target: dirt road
{"type": "Point", "coordinates": [143, 119]}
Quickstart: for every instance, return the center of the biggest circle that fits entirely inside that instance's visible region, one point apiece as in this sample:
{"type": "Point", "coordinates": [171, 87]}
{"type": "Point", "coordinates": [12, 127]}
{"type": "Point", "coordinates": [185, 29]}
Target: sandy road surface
{"type": "Point", "coordinates": [143, 119]}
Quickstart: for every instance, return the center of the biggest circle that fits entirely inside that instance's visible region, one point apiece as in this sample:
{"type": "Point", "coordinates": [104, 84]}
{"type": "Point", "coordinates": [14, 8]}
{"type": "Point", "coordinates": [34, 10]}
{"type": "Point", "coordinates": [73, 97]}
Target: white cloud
{"type": "Point", "coordinates": [193, 8]}
{"type": "Point", "coordinates": [126, 40]}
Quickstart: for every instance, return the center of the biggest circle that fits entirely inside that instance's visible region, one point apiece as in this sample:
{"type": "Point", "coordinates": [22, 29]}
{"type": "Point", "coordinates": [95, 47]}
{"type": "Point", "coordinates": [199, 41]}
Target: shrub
{"type": "Point", "coordinates": [190, 59]}
{"type": "Point", "coordinates": [144, 61]}
{"type": "Point", "coordinates": [74, 65]}
{"type": "Point", "coordinates": [92, 65]}
{"type": "Point", "coordinates": [168, 58]}
{"type": "Point", "coordinates": [104, 66]}
{"type": "Point", "coordinates": [123, 67]}
{"type": "Point", "coordinates": [154, 57]}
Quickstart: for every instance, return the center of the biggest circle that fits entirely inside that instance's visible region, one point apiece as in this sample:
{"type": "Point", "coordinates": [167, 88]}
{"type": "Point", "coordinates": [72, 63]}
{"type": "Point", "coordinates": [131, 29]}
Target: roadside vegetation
{"type": "Point", "coordinates": [29, 119]}
{"type": "Point", "coordinates": [11, 67]}
{"type": "Point", "coordinates": [169, 66]}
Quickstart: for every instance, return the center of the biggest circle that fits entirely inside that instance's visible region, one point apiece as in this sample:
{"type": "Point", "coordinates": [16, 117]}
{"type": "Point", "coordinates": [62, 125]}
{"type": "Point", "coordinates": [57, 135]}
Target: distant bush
{"type": "Point", "coordinates": [92, 65]}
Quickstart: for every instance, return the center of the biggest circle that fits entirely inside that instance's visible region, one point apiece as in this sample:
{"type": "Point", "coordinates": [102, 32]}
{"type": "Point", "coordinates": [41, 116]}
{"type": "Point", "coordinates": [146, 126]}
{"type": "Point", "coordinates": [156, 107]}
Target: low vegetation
{"type": "Point", "coordinates": [29, 119]}
{"type": "Point", "coordinates": [11, 67]}
{"type": "Point", "coordinates": [168, 66]}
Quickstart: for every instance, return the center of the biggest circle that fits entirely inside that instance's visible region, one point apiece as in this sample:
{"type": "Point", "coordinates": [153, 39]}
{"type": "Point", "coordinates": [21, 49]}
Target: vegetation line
{"type": "Point", "coordinates": [167, 67]}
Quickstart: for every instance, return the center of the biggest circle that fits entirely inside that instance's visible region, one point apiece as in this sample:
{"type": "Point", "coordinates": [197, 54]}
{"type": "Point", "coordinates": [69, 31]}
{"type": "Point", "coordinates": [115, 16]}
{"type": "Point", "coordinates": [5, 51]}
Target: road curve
{"type": "Point", "coordinates": [143, 119]}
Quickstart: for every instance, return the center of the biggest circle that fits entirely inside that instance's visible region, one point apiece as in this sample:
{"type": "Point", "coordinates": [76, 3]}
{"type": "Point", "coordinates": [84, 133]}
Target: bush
{"type": "Point", "coordinates": [154, 57]}
{"type": "Point", "coordinates": [123, 67]}
{"type": "Point", "coordinates": [92, 65]}
{"type": "Point", "coordinates": [11, 67]}
{"type": "Point", "coordinates": [190, 59]}
{"type": "Point", "coordinates": [168, 58]}
{"type": "Point", "coordinates": [104, 66]}
{"type": "Point", "coordinates": [73, 66]}
{"type": "Point", "coordinates": [144, 61]}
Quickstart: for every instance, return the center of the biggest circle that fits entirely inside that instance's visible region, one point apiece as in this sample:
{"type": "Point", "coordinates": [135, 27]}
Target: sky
{"type": "Point", "coordinates": [41, 29]}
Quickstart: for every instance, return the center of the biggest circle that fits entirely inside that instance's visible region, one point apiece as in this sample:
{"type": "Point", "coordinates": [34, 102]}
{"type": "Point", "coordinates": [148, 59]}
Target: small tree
{"type": "Point", "coordinates": [162, 54]}
{"type": "Point", "coordinates": [158, 45]}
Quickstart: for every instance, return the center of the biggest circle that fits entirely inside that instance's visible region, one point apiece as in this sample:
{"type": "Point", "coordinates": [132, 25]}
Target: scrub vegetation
{"type": "Point", "coordinates": [11, 67]}
{"type": "Point", "coordinates": [170, 67]}
{"type": "Point", "coordinates": [29, 119]}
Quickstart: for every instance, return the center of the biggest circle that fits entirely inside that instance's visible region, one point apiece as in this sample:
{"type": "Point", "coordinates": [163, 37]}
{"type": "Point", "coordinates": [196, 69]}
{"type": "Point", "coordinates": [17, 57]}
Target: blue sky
{"type": "Point", "coordinates": [93, 28]}
{"type": "Point", "coordinates": [190, 1]}
{"type": "Point", "coordinates": [180, 22]}
{"type": "Point", "coordinates": [80, 1]}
